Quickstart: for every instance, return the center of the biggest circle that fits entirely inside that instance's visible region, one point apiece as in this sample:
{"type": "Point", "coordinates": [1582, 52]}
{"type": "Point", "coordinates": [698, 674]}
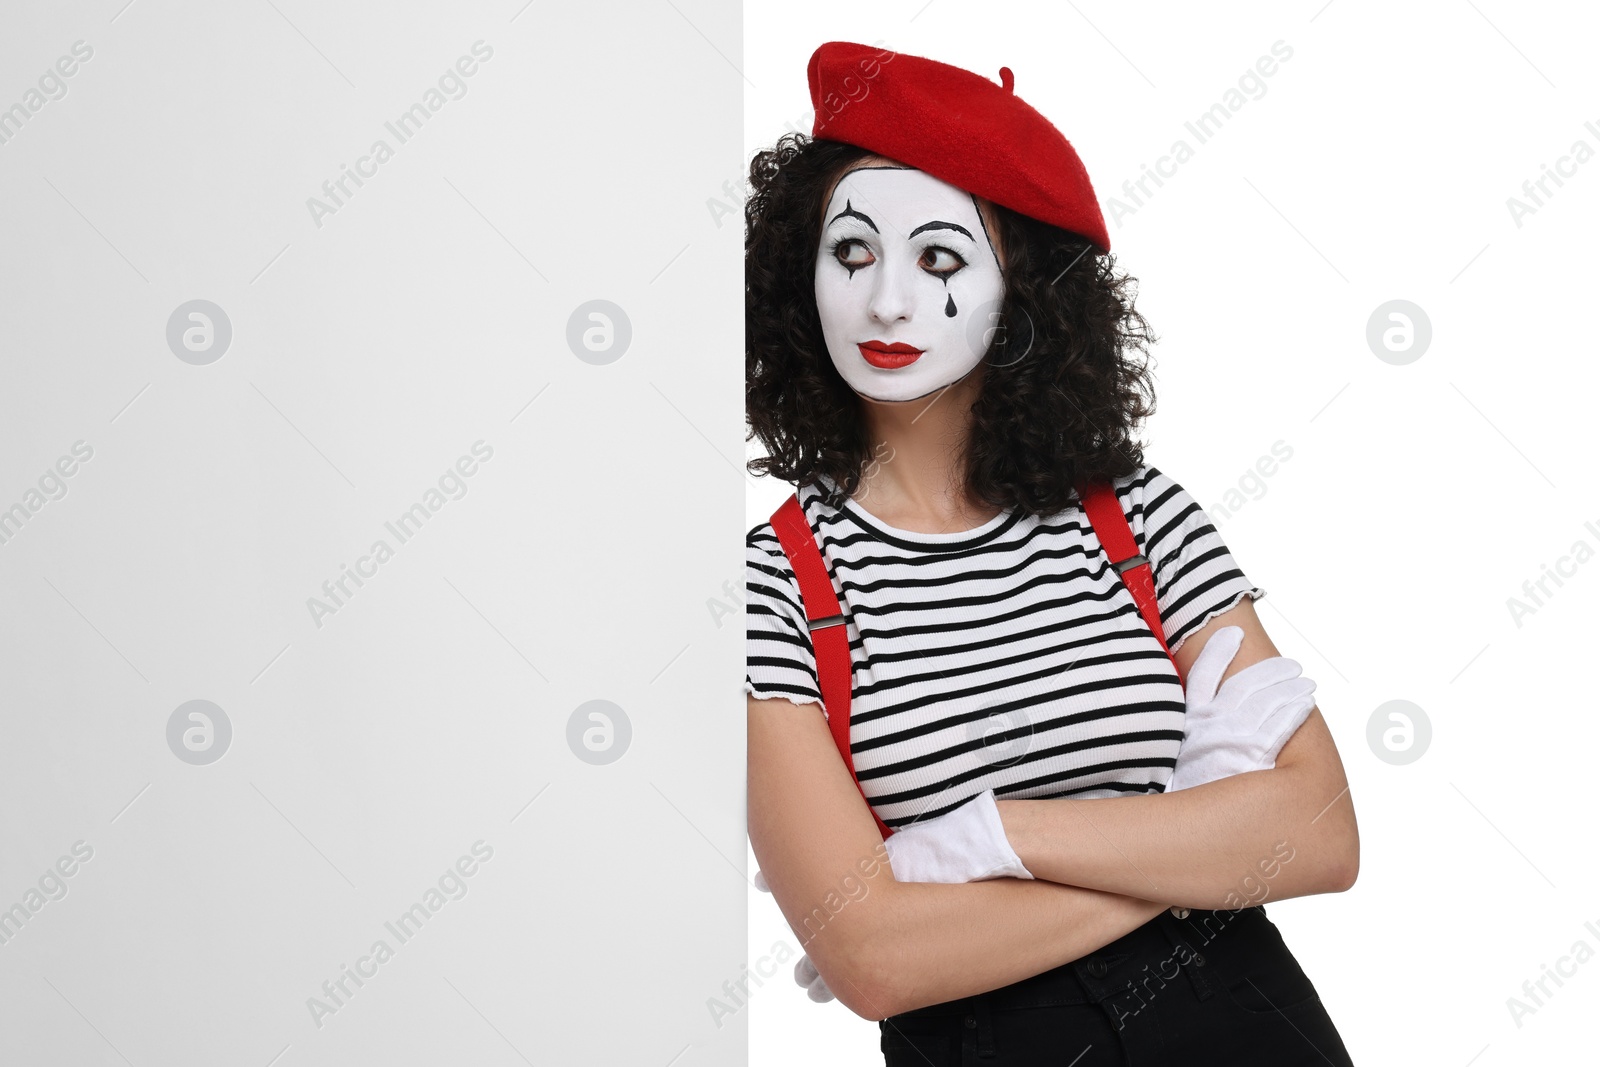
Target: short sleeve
{"type": "Point", "coordinates": [1196, 576]}
{"type": "Point", "coordinates": [779, 661]}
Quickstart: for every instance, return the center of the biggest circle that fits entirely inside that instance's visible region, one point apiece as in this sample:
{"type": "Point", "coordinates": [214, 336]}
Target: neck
{"type": "Point", "coordinates": [916, 476]}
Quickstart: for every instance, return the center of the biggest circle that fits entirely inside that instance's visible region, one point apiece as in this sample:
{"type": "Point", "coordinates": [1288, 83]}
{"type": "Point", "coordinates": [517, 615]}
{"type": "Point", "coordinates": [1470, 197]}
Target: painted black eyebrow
{"type": "Point", "coordinates": [936, 225]}
{"type": "Point", "coordinates": [853, 213]}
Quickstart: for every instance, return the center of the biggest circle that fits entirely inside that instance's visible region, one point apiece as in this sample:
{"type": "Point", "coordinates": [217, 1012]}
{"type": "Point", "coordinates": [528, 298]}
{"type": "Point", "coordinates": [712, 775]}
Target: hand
{"type": "Point", "coordinates": [1243, 725]}
{"type": "Point", "coordinates": [965, 845]}
{"type": "Point", "coordinates": [805, 974]}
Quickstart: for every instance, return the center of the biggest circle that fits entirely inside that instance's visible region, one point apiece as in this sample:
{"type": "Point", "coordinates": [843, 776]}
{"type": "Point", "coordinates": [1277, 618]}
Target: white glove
{"type": "Point", "coordinates": [805, 975]}
{"type": "Point", "coordinates": [965, 845]}
{"type": "Point", "coordinates": [1243, 725]}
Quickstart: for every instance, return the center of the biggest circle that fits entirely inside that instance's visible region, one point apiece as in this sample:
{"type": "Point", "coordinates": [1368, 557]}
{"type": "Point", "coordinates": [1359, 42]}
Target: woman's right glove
{"type": "Point", "coordinates": [1244, 724]}
{"type": "Point", "coordinates": [965, 844]}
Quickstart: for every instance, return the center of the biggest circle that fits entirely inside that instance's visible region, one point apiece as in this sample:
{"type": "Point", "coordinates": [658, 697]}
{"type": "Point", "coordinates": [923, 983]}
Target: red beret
{"type": "Point", "coordinates": [956, 125]}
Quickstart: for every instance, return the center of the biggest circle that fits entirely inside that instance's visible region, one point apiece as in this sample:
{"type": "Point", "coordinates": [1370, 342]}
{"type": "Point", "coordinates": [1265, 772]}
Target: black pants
{"type": "Point", "coordinates": [1216, 988]}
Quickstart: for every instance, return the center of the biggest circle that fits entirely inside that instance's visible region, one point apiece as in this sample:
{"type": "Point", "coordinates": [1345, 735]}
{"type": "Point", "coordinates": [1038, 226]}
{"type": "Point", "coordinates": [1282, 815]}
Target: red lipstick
{"type": "Point", "coordinates": [888, 357]}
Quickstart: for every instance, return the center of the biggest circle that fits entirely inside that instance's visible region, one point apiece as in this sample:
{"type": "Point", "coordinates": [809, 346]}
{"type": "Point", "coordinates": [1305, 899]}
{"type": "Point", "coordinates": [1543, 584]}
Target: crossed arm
{"type": "Point", "coordinates": [1105, 867]}
{"type": "Point", "coordinates": [1212, 845]}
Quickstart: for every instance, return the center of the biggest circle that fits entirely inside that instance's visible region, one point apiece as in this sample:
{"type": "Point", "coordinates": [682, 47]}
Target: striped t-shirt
{"type": "Point", "coordinates": [1010, 657]}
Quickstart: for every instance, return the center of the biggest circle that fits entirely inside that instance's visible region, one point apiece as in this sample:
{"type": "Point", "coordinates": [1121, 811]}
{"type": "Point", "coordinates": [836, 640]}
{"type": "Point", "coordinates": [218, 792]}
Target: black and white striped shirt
{"type": "Point", "coordinates": [1009, 657]}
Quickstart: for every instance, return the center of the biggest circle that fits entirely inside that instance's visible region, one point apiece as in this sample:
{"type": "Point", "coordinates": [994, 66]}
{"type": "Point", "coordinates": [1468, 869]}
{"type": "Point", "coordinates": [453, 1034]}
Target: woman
{"type": "Point", "coordinates": [938, 349]}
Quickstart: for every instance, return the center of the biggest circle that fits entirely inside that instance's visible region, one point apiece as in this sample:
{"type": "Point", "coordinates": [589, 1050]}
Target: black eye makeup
{"type": "Point", "coordinates": [851, 261]}
{"type": "Point", "coordinates": [931, 256]}
{"type": "Point", "coordinates": [852, 254]}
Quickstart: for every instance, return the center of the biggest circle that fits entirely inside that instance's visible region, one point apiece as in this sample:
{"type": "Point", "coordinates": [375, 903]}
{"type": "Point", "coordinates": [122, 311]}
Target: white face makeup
{"type": "Point", "coordinates": [904, 264]}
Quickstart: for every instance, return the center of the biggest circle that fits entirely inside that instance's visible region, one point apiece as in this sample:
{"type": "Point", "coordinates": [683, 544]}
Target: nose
{"type": "Point", "coordinates": [892, 295]}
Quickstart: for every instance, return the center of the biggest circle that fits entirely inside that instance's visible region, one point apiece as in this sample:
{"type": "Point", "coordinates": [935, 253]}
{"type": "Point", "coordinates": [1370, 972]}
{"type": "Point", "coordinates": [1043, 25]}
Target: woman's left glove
{"type": "Point", "coordinates": [965, 845]}
{"type": "Point", "coordinates": [1243, 724]}
{"type": "Point", "coordinates": [805, 972]}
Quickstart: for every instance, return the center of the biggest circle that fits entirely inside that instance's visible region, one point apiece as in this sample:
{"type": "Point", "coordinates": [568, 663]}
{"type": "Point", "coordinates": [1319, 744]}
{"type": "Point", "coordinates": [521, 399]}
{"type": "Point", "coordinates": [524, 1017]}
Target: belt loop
{"type": "Point", "coordinates": [1205, 982]}
{"type": "Point", "coordinates": [977, 1043]}
{"type": "Point", "coordinates": [986, 1047]}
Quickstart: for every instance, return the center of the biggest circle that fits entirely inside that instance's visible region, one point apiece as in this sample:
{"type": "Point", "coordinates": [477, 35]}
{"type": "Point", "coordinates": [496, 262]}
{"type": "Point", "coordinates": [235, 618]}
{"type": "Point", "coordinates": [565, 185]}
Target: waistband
{"type": "Point", "coordinates": [1164, 940]}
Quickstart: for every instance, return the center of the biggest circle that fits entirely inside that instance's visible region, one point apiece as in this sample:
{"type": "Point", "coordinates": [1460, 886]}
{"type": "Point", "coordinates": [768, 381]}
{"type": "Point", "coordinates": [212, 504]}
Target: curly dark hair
{"type": "Point", "coordinates": [1065, 380]}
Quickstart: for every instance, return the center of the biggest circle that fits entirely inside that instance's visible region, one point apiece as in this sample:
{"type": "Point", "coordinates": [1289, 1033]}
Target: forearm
{"type": "Point", "coordinates": [1194, 848]}
{"type": "Point", "coordinates": [930, 943]}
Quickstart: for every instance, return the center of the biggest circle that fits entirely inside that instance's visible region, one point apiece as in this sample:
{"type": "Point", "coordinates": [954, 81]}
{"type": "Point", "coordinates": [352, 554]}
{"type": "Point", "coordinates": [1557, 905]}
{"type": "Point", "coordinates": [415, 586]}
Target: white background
{"type": "Point", "coordinates": [1418, 499]}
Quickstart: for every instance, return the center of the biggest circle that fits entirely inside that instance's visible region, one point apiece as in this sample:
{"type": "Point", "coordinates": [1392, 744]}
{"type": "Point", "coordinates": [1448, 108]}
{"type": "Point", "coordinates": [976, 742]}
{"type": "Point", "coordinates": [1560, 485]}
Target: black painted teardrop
{"type": "Point", "coordinates": [949, 307]}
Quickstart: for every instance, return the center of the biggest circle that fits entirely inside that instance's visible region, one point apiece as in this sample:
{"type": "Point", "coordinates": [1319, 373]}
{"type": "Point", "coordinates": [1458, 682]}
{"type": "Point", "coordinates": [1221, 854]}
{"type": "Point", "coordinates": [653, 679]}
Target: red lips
{"type": "Point", "coordinates": [889, 357]}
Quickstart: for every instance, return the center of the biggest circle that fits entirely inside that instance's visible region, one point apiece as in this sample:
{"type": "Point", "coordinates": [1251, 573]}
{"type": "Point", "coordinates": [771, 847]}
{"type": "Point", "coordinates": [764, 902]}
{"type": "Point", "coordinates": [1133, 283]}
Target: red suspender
{"type": "Point", "coordinates": [826, 619]}
{"type": "Point", "coordinates": [1110, 524]}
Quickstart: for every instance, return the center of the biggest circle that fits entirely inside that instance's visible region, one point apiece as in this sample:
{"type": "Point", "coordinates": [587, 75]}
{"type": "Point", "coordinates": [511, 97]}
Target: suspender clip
{"type": "Point", "coordinates": [1130, 563]}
